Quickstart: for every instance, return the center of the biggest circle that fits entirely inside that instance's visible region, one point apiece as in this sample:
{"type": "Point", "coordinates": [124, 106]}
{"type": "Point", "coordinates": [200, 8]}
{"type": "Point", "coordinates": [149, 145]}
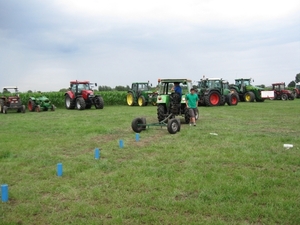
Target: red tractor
{"type": "Point", "coordinates": [11, 100]}
{"type": "Point", "coordinates": [81, 96]}
{"type": "Point", "coordinates": [281, 93]}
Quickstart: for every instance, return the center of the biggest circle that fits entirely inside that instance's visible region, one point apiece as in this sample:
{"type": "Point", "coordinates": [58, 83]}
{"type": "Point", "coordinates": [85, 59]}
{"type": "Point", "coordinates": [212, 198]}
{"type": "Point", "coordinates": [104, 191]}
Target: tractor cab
{"type": "Point", "coordinates": [281, 93]}
{"type": "Point", "coordinates": [141, 94]}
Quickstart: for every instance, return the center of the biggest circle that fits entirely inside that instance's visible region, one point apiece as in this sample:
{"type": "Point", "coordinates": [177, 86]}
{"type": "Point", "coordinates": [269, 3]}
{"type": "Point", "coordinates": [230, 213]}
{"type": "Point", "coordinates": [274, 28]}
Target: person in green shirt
{"type": "Point", "coordinates": [191, 104]}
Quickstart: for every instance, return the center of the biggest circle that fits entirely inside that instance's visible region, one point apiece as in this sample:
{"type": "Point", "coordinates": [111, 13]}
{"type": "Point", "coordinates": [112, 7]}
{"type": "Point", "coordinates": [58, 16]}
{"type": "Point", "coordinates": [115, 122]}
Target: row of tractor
{"type": "Point", "coordinates": [79, 95]}
{"type": "Point", "coordinates": [216, 92]}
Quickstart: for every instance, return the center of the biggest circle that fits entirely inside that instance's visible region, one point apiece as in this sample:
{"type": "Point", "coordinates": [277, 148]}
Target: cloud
{"type": "Point", "coordinates": [44, 44]}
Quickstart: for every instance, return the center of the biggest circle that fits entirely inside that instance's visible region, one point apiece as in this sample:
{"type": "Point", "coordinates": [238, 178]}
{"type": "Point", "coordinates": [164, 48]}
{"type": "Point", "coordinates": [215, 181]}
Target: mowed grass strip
{"type": "Point", "coordinates": [243, 175]}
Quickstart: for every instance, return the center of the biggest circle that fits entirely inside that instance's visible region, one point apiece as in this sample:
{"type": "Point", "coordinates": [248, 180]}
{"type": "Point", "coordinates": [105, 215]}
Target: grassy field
{"type": "Point", "coordinates": [243, 175]}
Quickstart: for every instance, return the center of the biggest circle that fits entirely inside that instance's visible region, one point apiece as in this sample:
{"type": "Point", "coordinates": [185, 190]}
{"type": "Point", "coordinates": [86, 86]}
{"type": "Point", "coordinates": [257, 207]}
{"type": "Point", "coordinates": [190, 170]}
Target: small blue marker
{"type": "Point", "coordinates": [97, 153]}
{"type": "Point", "coordinates": [121, 144]}
{"type": "Point", "coordinates": [4, 192]}
{"type": "Point", "coordinates": [59, 169]}
{"type": "Point", "coordinates": [137, 137]}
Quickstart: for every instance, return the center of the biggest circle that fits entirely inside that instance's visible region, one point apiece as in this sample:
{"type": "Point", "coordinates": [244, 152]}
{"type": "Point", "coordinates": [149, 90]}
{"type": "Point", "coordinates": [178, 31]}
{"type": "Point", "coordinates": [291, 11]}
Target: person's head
{"type": "Point", "coordinates": [193, 91]}
{"type": "Point", "coordinates": [176, 83]}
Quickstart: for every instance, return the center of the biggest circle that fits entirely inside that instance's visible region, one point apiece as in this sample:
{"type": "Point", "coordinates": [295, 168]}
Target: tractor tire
{"type": "Point", "coordinates": [223, 100]}
{"type": "Point", "coordinates": [232, 99]}
{"type": "Point", "coordinates": [187, 116]}
{"type": "Point", "coordinates": [23, 109]}
{"type": "Point", "coordinates": [173, 126]}
{"type": "Point", "coordinates": [161, 113]}
{"type": "Point", "coordinates": [213, 99]}
{"type": "Point", "coordinates": [52, 108]}
{"type": "Point", "coordinates": [4, 110]}
{"type": "Point", "coordinates": [135, 125]}
{"type": "Point", "coordinates": [292, 96]}
{"type": "Point", "coordinates": [233, 91]}
{"type": "Point", "coordinates": [179, 123]}
{"type": "Point", "coordinates": [130, 99]}
{"type": "Point", "coordinates": [99, 103]}
{"type": "Point", "coordinates": [249, 96]}
{"type": "Point", "coordinates": [144, 122]}
{"type": "Point", "coordinates": [80, 103]}
{"type": "Point", "coordinates": [141, 101]}
{"type": "Point", "coordinates": [1, 105]}
{"type": "Point", "coordinates": [31, 105]}
{"type": "Point", "coordinates": [284, 97]}
{"type": "Point", "coordinates": [69, 102]}
{"type": "Point", "coordinates": [38, 108]}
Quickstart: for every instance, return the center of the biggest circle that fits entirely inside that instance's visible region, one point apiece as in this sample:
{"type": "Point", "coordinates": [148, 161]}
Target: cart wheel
{"type": "Point", "coordinates": [135, 125]}
{"type": "Point", "coordinates": [173, 126]}
{"type": "Point", "coordinates": [144, 122]}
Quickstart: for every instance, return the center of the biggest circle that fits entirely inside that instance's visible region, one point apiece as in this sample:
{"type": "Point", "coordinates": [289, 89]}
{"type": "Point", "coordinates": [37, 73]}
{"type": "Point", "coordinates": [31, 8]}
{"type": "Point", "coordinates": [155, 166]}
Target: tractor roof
{"type": "Point", "coordinates": [212, 79]}
{"type": "Point", "coordinates": [243, 79]}
{"type": "Point", "coordinates": [183, 80]}
{"type": "Point", "coordinates": [278, 83]}
{"type": "Point", "coordinates": [10, 87]}
{"type": "Point", "coordinates": [140, 82]}
{"type": "Point", "coordinates": [79, 82]}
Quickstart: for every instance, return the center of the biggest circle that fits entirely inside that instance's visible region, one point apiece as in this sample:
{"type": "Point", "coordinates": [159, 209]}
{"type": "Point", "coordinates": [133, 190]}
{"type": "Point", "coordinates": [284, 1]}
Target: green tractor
{"type": "Point", "coordinates": [246, 91]}
{"type": "Point", "coordinates": [215, 92]}
{"type": "Point", "coordinates": [40, 104]}
{"type": "Point", "coordinates": [141, 94]}
{"type": "Point", "coordinates": [169, 103]}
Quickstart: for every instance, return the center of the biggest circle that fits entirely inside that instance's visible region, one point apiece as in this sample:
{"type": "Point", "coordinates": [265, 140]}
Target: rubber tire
{"type": "Point", "coordinates": [187, 116]}
{"type": "Point", "coordinates": [284, 97]}
{"type": "Point", "coordinates": [292, 96]}
{"type": "Point", "coordinates": [249, 96]}
{"type": "Point", "coordinates": [209, 101]}
{"type": "Point", "coordinates": [161, 112]}
{"type": "Point", "coordinates": [38, 108]}
{"type": "Point", "coordinates": [130, 99]}
{"type": "Point", "coordinates": [69, 103]}
{"type": "Point", "coordinates": [179, 123]}
{"type": "Point", "coordinates": [144, 122]}
{"type": "Point", "coordinates": [23, 109]}
{"type": "Point", "coordinates": [232, 99]}
{"type": "Point", "coordinates": [141, 101]}
{"type": "Point", "coordinates": [223, 100]}
{"type": "Point", "coordinates": [135, 125]}
{"type": "Point", "coordinates": [1, 105]}
{"type": "Point", "coordinates": [99, 103]}
{"type": "Point", "coordinates": [4, 110]}
{"type": "Point", "coordinates": [80, 103]}
{"type": "Point", "coordinates": [173, 126]}
{"type": "Point", "coordinates": [31, 105]}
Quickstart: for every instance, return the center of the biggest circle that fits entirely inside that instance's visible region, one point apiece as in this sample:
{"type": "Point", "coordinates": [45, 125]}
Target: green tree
{"type": "Point", "coordinates": [297, 78]}
{"type": "Point", "coordinates": [292, 84]}
{"type": "Point", "coordinates": [29, 91]}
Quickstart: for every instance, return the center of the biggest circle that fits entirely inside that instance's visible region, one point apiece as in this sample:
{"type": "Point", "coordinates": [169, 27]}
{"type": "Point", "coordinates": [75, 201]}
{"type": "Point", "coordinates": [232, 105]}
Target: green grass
{"type": "Point", "coordinates": [241, 176]}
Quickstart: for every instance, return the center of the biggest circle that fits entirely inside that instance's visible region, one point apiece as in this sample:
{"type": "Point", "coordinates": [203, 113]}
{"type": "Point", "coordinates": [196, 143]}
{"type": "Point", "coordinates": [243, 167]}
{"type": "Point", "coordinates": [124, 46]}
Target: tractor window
{"type": "Point", "coordinates": [238, 82]}
{"type": "Point", "coordinates": [143, 86]}
{"type": "Point", "coordinates": [246, 82]}
{"type": "Point", "coordinates": [83, 87]}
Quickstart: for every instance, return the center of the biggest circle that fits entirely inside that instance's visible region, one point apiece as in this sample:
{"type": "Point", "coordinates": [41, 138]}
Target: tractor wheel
{"type": "Point", "coordinates": [178, 123]}
{"type": "Point", "coordinates": [52, 108]}
{"type": "Point", "coordinates": [31, 105]}
{"type": "Point", "coordinates": [141, 101]}
{"type": "Point", "coordinates": [173, 126]}
{"type": "Point", "coordinates": [4, 109]}
{"type": "Point", "coordinates": [223, 100]}
{"type": "Point", "coordinates": [233, 91]}
{"type": "Point", "coordinates": [23, 109]}
{"type": "Point", "coordinates": [69, 102]}
{"type": "Point", "coordinates": [38, 108]}
{"type": "Point", "coordinates": [249, 96]}
{"type": "Point", "coordinates": [99, 103]}
{"type": "Point", "coordinates": [144, 122]}
{"type": "Point", "coordinates": [213, 99]}
{"type": "Point", "coordinates": [187, 116]}
{"type": "Point", "coordinates": [292, 96]}
{"type": "Point", "coordinates": [1, 105]}
{"type": "Point", "coordinates": [161, 113]}
{"type": "Point", "coordinates": [130, 99]}
{"type": "Point", "coordinates": [284, 97]}
{"type": "Point", "coordinates": [135, 125]}
{"type": "Point", "coordinates": [232, 99]}
{"type": "Point", "coordinates": [80, 103]}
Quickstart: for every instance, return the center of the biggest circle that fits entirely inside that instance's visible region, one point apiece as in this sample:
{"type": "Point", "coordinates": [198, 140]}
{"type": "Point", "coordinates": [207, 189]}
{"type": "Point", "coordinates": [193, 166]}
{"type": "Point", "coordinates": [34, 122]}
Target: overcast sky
{"type": "Point", "coordinates": [46, 43]}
